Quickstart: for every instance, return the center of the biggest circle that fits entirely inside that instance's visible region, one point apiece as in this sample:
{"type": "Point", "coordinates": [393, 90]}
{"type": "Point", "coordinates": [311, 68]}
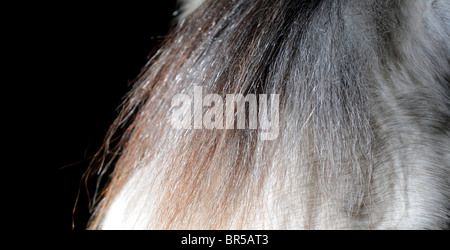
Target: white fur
{"type": "Point", "coordinates": [189, 6]}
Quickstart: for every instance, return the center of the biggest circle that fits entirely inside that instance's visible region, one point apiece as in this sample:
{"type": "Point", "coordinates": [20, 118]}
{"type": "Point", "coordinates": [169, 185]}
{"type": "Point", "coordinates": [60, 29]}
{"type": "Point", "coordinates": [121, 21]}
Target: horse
{"type": "Point", "coordinates": [359, 92]}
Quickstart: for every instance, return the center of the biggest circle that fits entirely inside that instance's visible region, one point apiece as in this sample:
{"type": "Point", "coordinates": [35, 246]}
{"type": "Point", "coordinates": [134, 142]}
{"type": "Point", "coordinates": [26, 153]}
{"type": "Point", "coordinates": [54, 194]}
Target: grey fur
{"type": "Point", "coordinates": [364, 121]}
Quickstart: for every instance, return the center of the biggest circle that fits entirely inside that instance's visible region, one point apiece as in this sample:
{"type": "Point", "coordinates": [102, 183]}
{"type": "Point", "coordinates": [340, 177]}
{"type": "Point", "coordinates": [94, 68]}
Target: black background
{"type": "Point", "coordinates": [87, 57]}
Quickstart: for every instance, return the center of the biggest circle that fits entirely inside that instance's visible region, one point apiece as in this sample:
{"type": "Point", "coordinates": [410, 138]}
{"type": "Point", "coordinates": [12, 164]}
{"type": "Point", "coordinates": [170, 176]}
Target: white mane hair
{"type": "Point", "coordinates": [364, 138]}
{"type": "Point", "coordinates": [189, 6]}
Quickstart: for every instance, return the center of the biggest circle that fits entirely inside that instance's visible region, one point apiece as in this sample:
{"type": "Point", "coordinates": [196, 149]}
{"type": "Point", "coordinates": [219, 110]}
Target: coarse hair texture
{"type": "Point", "coordinates": [364, 138]}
